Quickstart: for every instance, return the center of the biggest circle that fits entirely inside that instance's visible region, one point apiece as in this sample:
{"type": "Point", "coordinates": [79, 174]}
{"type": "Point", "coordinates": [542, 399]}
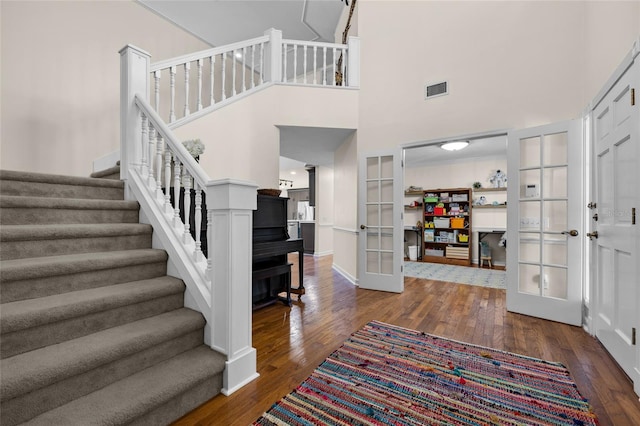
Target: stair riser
{"type": "Point", "coordinates": [31, 216]}
{"type": "Point", "coordinates": [21, 341]}
{"type": "Point", "coordinates": [47, 286]}
{"type": "Point", "coordinates": [179, 406]}
{"type": "Point", "coordinates": [26, 249]}
{"type": "Point", "coordinates": [42, 189]}
{"type": "Point", "coordinates": [25, 407]}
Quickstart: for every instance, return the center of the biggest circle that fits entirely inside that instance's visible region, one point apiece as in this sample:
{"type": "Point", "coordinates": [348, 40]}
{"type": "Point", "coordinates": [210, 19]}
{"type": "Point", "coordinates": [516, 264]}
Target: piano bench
{"type": "Point", "coordinates": [272, 272]}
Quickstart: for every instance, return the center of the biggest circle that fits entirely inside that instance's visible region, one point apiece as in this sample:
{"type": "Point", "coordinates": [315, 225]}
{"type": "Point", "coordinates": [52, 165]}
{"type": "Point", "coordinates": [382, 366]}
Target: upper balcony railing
{"type": "Point", "coordinates": [189, 86]}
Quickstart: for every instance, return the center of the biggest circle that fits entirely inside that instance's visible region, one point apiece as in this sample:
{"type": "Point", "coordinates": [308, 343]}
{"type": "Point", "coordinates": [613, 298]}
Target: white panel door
{"type": "Point", "coordinates": [544, 250]}
{"type": "Point", "coordinates": [615, 254]}
{"type": "Point", "coordinates": [380, 209]}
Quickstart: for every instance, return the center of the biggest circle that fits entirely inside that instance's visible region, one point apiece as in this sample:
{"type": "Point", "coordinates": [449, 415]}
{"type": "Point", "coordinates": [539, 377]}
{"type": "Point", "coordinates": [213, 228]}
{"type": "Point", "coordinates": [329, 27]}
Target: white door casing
{"type": "Point", "coordinates": [615, 253]}
{"type": "Point", "coordinates": [544, 223]}
{"type": "Point", "coordinates": [380, 209]}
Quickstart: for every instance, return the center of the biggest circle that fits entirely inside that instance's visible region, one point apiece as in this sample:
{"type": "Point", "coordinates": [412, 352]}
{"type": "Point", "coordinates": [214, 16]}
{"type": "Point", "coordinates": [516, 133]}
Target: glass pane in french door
{"type": "Point", "coordinates": [379, 218]}
{"type": "Point", "coordinates": [543, 215]}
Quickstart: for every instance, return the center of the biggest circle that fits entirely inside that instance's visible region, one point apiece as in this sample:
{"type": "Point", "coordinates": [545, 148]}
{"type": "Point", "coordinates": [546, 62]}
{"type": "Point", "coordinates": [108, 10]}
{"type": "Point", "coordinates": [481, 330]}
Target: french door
{"type": "Point", "coordinates": [380, 209]}
{"type": "Point", "coordinates": [615, 234]}
{"type": "Point", "coordinates": [544, 242]}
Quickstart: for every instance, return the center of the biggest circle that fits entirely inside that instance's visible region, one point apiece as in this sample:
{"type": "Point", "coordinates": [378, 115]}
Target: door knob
{"type": "Point", "coordinates": [592, 235]}
{"type": "Point", "coordinates": [363, 227]}
{"type": "Point", "coordinates": [573, 233]}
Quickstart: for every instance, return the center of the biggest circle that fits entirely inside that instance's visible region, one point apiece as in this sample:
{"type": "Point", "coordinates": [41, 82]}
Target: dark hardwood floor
{"type": "Point", "coordinates": [291, 342]}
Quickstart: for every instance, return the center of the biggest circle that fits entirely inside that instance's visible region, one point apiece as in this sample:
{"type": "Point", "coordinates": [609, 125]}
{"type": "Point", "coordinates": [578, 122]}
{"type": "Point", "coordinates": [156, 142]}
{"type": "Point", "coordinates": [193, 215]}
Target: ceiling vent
{"type": "Point", "coordinates": [436, 89]}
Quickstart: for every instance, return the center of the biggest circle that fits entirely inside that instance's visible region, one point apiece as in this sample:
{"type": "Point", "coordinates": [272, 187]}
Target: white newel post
{"type": "Point", "coordinates": [230, 205]}
{"type": "Point", "coordinates": [273, 56]}
{"type": "Point", "coordinates": [353, 62]}
{"type": "Point", "coordinates": [134, 79]}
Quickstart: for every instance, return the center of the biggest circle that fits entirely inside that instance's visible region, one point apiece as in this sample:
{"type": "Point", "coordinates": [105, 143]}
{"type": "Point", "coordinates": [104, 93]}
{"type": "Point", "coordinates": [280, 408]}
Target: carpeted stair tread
{"type": "Point", "coordinates": [32, 370]}
{"type": "Point", "coordinates": [58, 186]}
{"type": "Point", "coordinates": [14, 201]}
{"type": "Point", "coordinates": [129, 399]}
{"type": "Point", "coordinates": [38, 267]}
{"type": "Point", "coordinates": [35, 312]}
{"type": "Point", "coordinates": [67, 231]}
{"type": "Point", "coordinates": [17, 210]}
{"type": "Point", "coordinates": [9, 175]}
{"type": "Point", "coordinates": [107, 173]}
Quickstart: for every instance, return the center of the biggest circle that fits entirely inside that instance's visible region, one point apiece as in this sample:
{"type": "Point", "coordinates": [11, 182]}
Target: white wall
{"type": "Point", "coordinates": [345, 237]}
{"type": "Point", "coordinates": [324, 210]}
{"type": "Point", "coordinates": [61, 78]}
{"type": "Point", "coordinates": [509, 64]}
{"type": "Point", "coordinates": [242, 140]}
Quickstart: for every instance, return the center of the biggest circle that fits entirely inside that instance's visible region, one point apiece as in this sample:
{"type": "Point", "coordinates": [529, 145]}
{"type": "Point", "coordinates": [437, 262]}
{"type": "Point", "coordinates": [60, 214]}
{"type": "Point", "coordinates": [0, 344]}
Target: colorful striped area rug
{"type": "Point", "coordinates": [389, 375]}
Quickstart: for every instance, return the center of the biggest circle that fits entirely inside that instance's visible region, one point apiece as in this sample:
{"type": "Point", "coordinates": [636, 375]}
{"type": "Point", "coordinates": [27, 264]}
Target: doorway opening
{"type": "Point", "coordinates": [455, 201]}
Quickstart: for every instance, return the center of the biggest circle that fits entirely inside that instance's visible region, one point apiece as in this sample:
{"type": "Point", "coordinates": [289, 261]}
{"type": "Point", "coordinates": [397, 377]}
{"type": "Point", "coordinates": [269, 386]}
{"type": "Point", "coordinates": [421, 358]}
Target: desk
{"type": "Point", "coordinates": [482, 233]}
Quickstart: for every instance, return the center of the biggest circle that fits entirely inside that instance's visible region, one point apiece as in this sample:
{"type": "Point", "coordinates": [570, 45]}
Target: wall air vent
{"type": "Point", "coordinates": [436, 89]}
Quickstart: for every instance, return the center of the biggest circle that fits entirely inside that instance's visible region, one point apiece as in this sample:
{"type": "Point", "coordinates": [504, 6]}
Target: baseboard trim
{"type": "Point", "coordinates": [353, 280]}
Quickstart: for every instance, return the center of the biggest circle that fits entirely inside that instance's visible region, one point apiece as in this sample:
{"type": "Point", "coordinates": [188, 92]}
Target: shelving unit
{"type": "Point", "coordinates": [490, 206]}
{"type": "Point", "coordinates": [418, 195]}
{"type": "Point", "coordinates": [447, 222]}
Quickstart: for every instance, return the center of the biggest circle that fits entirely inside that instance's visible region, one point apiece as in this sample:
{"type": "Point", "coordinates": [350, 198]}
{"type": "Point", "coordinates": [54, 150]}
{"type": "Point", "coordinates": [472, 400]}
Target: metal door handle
{"type": "Point", "coordinates": [363, 227]}
{"type": "Point", "coordinates": [592, 235]}
{"type": "Point", "coordinates": [573, 233]}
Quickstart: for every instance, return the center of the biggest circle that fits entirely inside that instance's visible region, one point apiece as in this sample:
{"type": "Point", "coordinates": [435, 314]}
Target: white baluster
{"type": "Point", "coordinates": [315, 65]}
{"type": "Point", "coordinates": [156, 76]}
{"type": "Point", "coordinates": [176, 191]}
{"type": "Point", "coordinates": [233, 73]}
{"type": "Point", "coordinates": [324, 68]}
{"type": "Point", "coordinates": [304, 70]}
{"type": "Point", "coordinates": [167, 179]}
{"type": "Point", "coordinates": [199, 84]}
{"type": "Point", "coordinates": [187, 204]}
{"type": "Point", "coordinates": [344, 67]}
{"type": "Point", "coordinates": [159, 149]}
{"type": "Point", "coordinates": [197, 254]}
{"type": "Point", "coordinates": [253, 66]}
{"type": "Point", "coordinates": [261, 62]}
{"type": "Point", "coordinates": [333, 74]}
{"type": "Point", "coordinates": [152, 151]}
{"type": "Point", "coordinates": [244, 69]}
{"type": "Point", "coordinates": [187, 68]}
{"type": "Point", "coordinates": [284, 73]}
{"type": "Point", "coordinates": [212, 80]}
{"type": "Point", "coordinates": [224, 75]}
{"type": "Point", "coordinates": [144, 140]}
{"type": "Point", "coordinates": [172, 85]}
{"type": "Point", "coordinates": [295, 63]}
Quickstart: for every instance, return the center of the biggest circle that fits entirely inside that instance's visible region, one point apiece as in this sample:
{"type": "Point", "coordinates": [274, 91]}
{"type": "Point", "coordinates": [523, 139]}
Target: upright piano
{"type": "Point", "coordinates": [271, 244]}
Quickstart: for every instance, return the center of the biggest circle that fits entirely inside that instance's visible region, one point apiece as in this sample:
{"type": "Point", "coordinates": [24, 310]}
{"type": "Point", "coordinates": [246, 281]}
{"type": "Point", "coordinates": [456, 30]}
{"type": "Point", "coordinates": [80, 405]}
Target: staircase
{"type": "Point", "coordinates": [93, 331]}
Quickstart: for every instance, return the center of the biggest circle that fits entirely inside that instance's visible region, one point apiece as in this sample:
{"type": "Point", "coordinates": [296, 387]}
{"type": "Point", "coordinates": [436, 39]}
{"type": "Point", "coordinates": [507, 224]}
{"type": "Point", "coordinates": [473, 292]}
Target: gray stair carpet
{"type": "Point", "coordinates": [92, 329]}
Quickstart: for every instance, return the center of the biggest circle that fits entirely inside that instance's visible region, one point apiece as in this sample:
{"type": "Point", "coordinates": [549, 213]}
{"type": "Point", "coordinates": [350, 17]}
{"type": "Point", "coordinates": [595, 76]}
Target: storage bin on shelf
{"type": "Point", "coordinates": [434, 252]}
{"type": "Point", "coordinates": [441, 222]}
{"type": "Point", "coordinates": [457, 253]}
{"type": "Point", "coordinates": [463, 238]}
{"type": "Point", "coordinates": [457, 222]}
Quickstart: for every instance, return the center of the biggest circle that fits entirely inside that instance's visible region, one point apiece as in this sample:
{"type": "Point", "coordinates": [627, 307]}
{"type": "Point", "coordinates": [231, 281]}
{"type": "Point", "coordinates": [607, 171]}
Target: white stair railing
{"type": "Point", "coordinates": [158, 172]}
{"type": "Point", "coordinates": [189, 86]}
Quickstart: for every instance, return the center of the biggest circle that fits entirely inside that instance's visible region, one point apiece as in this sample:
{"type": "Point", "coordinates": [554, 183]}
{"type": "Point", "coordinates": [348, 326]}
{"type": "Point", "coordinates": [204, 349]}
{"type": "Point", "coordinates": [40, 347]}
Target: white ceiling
{"type": "Point", "coordinates": [495, 146]}
{"type": "Point", "coordinates": [220, 22]}
{"type": "Point", "coordinates": [311, 145]}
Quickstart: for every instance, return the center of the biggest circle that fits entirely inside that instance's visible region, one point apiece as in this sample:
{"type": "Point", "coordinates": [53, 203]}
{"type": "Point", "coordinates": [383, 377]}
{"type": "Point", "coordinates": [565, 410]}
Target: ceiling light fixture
{"type": "Point", "coordinates": [454, 146]}
{"type": "Point", "coordinates": [238, 55]}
